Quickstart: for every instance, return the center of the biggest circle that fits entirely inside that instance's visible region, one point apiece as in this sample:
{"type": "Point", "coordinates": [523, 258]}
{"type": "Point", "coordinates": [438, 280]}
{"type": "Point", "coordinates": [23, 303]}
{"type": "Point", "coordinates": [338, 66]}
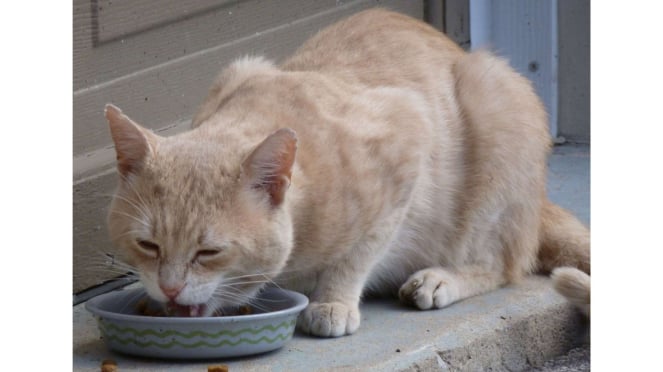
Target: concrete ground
{"type": "Point", "coordinates": [517, 328]}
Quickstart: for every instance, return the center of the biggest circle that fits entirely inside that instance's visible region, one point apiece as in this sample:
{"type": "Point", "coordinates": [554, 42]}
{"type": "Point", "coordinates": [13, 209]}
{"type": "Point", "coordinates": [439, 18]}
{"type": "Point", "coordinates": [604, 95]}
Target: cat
{"type": "Point", "coordinates": [379, 158]}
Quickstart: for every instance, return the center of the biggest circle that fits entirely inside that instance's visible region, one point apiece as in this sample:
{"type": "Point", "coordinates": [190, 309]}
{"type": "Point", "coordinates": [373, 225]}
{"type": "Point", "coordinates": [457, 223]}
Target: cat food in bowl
{"type": "Point", "coordinates": [124, 328]}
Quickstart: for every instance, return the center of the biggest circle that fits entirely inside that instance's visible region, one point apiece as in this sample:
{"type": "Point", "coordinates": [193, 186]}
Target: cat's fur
{"type": "Point", "coordinates": [379, 158]}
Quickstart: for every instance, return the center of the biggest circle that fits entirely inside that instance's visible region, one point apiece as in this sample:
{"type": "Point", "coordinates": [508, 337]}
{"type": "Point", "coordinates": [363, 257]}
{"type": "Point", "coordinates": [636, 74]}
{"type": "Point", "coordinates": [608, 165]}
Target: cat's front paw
{"type": "Point", "coordinates": [329, 319]}
{"type": "Point", "coordinates": [429, 288]}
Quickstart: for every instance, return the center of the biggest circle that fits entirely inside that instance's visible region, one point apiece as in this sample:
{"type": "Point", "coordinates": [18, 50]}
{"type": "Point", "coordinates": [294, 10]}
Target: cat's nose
{"type": "Point", "coordinates": [171, 292]}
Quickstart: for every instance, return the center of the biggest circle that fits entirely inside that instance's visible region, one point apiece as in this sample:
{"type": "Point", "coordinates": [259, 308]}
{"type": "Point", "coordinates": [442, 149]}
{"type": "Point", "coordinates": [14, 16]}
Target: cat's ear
{"type": "Point", "coordinates": [132, 143]}
{"type": "Point", "coordinates": [269, 167]}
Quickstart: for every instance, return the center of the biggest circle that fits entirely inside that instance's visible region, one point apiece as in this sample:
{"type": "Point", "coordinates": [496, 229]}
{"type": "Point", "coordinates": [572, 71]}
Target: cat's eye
{"type": "Point", "coordinates": [148, 246]}
{"type": "Point", "coordinates": [206, 253]}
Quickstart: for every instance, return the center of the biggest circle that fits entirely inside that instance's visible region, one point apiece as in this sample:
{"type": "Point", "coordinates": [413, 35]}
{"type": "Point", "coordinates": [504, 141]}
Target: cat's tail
{"type": "Point", "coordinates": [564, 251]}
{"type": "Point", "coordinates": [574, 285]}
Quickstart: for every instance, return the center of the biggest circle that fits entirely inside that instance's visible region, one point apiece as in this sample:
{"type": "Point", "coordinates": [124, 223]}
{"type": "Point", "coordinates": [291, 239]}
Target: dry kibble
{"type": "Point", "coordinates": [219, 368]}
{"type": "Point", "coordinates": [109, 365]}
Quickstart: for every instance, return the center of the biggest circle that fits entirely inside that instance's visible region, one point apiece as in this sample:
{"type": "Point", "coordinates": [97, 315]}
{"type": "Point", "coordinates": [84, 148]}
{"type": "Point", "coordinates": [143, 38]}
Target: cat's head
{"type": "Point", "coordinates": [203, 221]}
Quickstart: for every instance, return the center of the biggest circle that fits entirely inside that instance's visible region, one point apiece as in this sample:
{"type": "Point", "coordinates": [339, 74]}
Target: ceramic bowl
{"type": "Point", "coordinates": [269, 328]}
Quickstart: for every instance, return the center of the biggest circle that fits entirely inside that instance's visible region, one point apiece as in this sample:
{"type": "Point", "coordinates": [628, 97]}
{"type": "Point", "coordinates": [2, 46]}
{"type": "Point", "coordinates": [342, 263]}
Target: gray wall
{"type": "Point", "coordinates": [574, 70]}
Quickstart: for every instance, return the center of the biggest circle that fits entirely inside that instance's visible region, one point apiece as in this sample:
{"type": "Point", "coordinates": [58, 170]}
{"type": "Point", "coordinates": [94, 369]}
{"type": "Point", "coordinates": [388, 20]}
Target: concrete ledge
{"type": "Point", "coordinates": [515, 328]}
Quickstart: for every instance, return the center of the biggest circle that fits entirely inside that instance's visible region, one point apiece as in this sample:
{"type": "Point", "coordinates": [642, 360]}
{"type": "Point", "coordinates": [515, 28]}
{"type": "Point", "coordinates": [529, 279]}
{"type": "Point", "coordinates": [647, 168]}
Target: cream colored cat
{"type": "Point", "coordinates": [379, 158]}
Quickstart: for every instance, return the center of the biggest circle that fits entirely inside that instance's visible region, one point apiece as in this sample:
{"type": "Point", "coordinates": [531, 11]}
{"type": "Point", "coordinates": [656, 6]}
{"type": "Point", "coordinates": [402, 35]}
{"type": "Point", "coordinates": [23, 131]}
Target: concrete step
{"type": "Point", "coordinates": [515, 328]}
{"type": "Point", "coordinates": [576, 360]}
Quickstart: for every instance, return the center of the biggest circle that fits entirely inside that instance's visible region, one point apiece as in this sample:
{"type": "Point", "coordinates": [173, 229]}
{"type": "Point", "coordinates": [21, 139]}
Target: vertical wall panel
{"type": "Point", "coordinates": [525, 32]}
{"type": "Point", "coordinates": [574, 70]}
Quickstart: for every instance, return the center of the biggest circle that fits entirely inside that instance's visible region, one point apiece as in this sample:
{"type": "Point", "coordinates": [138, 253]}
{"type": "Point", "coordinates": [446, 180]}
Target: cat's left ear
{"type": "Point", "coordinates": [269, 167]}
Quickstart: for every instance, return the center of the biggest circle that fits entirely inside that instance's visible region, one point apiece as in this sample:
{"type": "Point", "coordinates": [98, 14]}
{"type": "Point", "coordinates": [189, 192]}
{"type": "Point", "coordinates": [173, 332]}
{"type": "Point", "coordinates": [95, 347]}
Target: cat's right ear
{"type": "Point", "coordinates": [132, 143]}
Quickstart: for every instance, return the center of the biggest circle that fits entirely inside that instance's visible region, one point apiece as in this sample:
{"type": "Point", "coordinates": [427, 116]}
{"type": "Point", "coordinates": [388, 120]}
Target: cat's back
{"type": "Point", "coordinates": [377, 47]}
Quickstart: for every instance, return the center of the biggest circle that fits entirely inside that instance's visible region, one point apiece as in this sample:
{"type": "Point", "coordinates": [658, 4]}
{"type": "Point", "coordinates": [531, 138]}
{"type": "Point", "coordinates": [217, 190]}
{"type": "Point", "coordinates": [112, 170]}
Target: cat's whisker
{"type": "Point", "coordinates": [142, 209]}
{"type": "Point", "coordinates": [132, 217]}
{"type": "Point", "coordinates": [130, 232]}
{"type": "Point", "coordinates": [225, 287]}
{"type": "Point", "coordinates": [133, 189]}
{"type": "Point", "coordinates": [109, 270]}
{"type": "Point", "coordinates": [112, 270]}
{"type": "Point", "coordinates": [111, 267]}
{"type": "Point", "coordinates": [226, 300]}
{"type": "Point", "coordinates": [263, 274]}
{"type": "Point", "coordinates": [238, 296]}
{"type": "Point", "coordinates": [106, 266]}
{"type": "Point", "coordinates": [244, 300]}
{"type": "Point", "coordinates": [231, 295]}
{"type": "Point", "coordinates": [231, 284]}
{"type": "Point", "coordinates": [228, 289]}
{"type": "Point", "coordinates": [270, 281]}
{"type": "Point", "coordinates": [133, 299]}
{"type": "Point", "coordinates": [110, 260]}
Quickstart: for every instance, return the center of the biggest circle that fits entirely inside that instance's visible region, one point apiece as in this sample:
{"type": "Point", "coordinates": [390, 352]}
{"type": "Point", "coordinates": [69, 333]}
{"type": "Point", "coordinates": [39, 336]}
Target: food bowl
{"type": "Point", "coordinates": [268, 328]}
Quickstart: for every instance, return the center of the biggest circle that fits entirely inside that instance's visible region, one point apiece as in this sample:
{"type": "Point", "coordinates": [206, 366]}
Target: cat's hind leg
{"type": "Point", "coordinates": [437, 287]}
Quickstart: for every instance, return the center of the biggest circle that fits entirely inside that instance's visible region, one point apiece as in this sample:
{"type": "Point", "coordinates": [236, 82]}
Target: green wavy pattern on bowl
{"type": "Point", "coordinates": [113, 333]}
{"type": "Point", "coordinates": [188, 335]}
{"type": "Point", "coordinates": [262, 339]}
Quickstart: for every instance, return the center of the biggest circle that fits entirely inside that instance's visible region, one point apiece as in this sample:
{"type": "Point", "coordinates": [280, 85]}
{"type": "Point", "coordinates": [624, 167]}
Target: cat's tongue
{"type": "Point", "coordinates": [174, 309]}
